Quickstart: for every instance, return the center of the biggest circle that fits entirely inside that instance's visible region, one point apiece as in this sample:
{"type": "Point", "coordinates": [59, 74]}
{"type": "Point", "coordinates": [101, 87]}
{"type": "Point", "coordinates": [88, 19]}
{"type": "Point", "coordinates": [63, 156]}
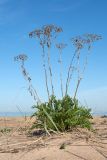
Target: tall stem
{"type": "Point", "coordinates": [60, 61]}
{"type": "Point", "coordinates": [79, 77]}
{"type": "Point", "coordinates": [31, 89]}
{"type": "Point", "coordinates": [50, 70]}
{"type": "Point", "coordinates": [45, 72]}
{"type": "Point", "coordinates": [78, 83]}
{"type": "Point", "coordinates": [69, 74]}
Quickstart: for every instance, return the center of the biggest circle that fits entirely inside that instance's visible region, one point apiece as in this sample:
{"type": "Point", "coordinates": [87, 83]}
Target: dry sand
{"type": "Point", "coordinates": [79, 144]}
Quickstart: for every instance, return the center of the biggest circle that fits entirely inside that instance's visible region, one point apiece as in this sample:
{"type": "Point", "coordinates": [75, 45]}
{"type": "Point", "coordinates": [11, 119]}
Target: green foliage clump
{"type": "Point", "coordinates": [61, 115]}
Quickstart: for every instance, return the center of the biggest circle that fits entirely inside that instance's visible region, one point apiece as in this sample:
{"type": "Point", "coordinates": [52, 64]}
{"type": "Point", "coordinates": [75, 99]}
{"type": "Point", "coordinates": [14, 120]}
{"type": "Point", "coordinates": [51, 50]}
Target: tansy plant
{"type": "Point", "coordinates": [63, 114]}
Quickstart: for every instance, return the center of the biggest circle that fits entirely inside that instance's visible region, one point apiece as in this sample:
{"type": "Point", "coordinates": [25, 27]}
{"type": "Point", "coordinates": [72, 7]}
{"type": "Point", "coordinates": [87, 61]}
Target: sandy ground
{"type": "Point", "coordinates": [79, 144]}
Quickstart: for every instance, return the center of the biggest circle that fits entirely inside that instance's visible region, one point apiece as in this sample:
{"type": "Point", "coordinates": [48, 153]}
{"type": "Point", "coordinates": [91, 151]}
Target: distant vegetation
{"type": "Point", "coordinates": [65, 113]}
{"type": "Point", "coordinates": [5, 130]}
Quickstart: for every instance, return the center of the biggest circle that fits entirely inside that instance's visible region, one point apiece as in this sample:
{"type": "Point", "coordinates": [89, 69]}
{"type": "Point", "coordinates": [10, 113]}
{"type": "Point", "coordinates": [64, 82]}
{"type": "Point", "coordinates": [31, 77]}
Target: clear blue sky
{"type": "Point", "coordinates": [76, 17]}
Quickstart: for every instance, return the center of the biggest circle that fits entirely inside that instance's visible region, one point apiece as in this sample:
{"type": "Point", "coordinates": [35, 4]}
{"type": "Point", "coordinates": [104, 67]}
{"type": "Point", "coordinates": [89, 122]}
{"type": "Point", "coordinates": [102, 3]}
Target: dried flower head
{"type": "Point", "coordinates": [21, 57]}
{"type": "Point", "coordinates": [36, 33]}
{"type": "Point", "coordinates": [49, 29]}
{"type": "Point", "coordinates": [78, 42]}
{"type": "Point", "coordinates": [45, 33]}
{"type": "Point", "coordinates": [61, 46]}
{"type": "Point", "coordinates": [92, 37]}
{"type": "Point", "coordinates": [86, 39]}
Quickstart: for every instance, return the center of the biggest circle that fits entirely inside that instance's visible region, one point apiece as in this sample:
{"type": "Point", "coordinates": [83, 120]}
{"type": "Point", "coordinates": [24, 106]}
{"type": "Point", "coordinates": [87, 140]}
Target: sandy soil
{"type": "Point", "coordinates": [79, 144]}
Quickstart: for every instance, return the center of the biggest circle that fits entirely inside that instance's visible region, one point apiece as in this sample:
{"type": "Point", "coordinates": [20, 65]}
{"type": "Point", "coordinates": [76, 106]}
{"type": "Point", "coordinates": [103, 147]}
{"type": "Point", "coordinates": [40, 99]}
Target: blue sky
{"type": "Point", "coordinates": [76, 17]}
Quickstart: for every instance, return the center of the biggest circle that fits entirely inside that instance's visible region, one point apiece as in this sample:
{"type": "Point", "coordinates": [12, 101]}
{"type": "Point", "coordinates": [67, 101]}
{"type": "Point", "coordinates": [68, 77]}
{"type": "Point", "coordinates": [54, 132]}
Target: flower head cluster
{"type": "Point", "coordinates": [21, 57]}
{"type": "Point", "coordinates": [86, 39]}
{"type": "Point", "coordinates": [46, 34]}
{"type": "Point", "coordinates": [61, 46]}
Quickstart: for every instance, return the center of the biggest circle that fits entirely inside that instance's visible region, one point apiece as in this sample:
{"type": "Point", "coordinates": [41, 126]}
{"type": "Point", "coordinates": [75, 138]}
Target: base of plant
{"type": "Point", "coordinates": [60, 115]}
